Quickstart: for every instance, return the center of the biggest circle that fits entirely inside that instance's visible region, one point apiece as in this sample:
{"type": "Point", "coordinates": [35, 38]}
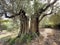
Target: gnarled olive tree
{"type": "Point", "coordinates": [24, 7]}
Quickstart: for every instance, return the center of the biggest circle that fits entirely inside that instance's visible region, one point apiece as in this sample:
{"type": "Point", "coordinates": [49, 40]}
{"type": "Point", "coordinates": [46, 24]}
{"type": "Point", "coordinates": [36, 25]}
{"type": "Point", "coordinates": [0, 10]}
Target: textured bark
{"type": "Point", "coordinates": [34, 25]}
{"type": "Point", "coordinates": [24, 26]}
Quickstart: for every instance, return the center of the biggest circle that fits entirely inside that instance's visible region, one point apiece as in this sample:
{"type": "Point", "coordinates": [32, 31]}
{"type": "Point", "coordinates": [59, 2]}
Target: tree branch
{"type": "Point", "coordinates": [46, 14]}
{"type": "Point", "coordinates": [9, 16]}
{"type": "Point", "coordinates": [49, 5]}
{"type": "Point", "coordinates": [20, 12]}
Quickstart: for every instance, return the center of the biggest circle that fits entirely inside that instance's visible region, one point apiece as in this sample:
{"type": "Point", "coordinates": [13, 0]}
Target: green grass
{"type": "Point", "coordinates": [24, 38]}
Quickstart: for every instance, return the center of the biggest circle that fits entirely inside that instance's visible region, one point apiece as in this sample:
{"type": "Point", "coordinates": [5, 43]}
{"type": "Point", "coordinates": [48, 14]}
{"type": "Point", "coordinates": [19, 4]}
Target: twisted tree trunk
{"type": "Point", "coordinates": [24, 26]}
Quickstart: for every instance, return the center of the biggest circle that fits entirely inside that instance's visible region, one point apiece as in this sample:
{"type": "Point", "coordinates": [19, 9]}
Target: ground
{"type": "Point", "coordinates": [4, 36]}
{"type": "Point", "coordinates": [47, 36]}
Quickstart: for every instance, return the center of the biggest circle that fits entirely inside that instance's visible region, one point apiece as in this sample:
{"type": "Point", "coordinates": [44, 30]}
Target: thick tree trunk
{"type": "Point", "coordinates": [24, 26]}
{"type": "Point", "coordinates": [34, 25]}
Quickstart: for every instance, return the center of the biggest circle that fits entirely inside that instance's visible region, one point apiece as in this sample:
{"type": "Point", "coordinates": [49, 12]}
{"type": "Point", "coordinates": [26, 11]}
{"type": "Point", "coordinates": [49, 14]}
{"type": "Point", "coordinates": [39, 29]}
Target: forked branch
{"type": "Point", "coordinates": [46, 14]}
{"type": "Point", "coordinates": [48, 5]}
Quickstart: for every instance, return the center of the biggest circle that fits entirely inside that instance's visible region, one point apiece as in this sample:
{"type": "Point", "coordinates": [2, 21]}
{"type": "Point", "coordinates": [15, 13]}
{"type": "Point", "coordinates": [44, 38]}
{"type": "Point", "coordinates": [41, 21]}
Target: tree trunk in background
{"type": "Point", "coordinates": [24, 26]}
{"type": "Point", "coordinates": [34, 25]}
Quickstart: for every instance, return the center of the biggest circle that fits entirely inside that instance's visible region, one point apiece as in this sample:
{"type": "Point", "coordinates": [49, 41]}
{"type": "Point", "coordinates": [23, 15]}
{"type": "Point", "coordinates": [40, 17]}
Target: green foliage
{"type": "Point", "coordinates": [55, 19]}
{"type": "Point", "coordinates": [44, 21]}
{"type": "Point", "coordinates": [8, 25]}
{"type": "Point", "coordinates": [2, 21]}
{"type": "Point", "coordinates": [11, 41]}
{"type": "Point", "coordinates": [3, 27]}
{"type": "Point", "coordinates": [50, 21]}
{"type": "Point", "coordinates": [24, 38]}
{"type": "Point", "coordinates": [37, 5]}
